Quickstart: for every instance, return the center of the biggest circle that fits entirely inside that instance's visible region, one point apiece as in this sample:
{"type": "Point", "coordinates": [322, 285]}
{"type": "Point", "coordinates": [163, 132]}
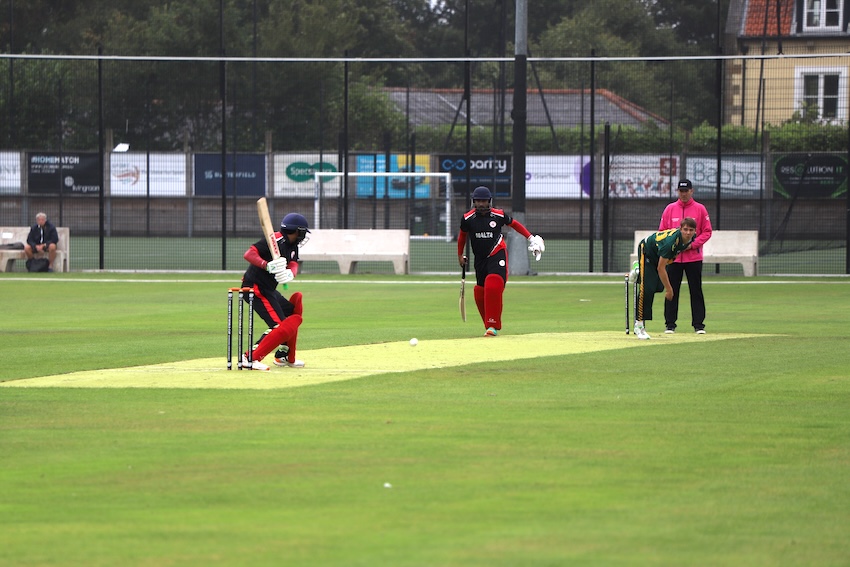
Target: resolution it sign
{"type": "Point", "coordinates": [810, 175]}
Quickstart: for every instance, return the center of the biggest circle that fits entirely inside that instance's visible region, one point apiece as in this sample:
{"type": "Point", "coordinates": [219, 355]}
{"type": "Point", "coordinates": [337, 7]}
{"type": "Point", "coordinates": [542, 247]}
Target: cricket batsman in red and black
{"type": "Point", "coordinates": [482, 225]}
{"type": "Point", "coordinates": [283, 316]}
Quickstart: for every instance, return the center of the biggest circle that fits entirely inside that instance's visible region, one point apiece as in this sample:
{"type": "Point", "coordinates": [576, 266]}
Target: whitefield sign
{"type": "Point", "coordinates": [130, 177]}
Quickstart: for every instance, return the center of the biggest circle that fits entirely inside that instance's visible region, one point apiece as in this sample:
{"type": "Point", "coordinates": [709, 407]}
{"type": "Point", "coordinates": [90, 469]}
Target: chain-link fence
{"type": "Point", "coordinates": [157, 163]}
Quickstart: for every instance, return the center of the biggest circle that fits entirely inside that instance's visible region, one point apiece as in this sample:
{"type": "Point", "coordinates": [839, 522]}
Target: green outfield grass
{"type": "Point", "coordinates": [723, 453]}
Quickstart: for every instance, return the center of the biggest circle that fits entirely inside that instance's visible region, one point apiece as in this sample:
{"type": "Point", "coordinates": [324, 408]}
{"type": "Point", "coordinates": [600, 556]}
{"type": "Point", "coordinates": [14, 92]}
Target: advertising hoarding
{"type": "Point", "coordinates": [392, 187]}
{"type": "Point", "coordinates": [293, 175]}
{"type": "Point", "coordinates": [68, 172]}
{"type": "Point", "coordinates": [246, 175]}
{"type": "Point", "coordinates": [130, 176]}
{"type": "Point", "coordinates": [810, 176]}
{"type": "Point", "coordinates": [740, 176]}
{"type": "Point", "coordinates": [493, 172]}
{"type": "Point", "coordinates": [554, 177]}
{"type": "Point", "coordinates": [10, 173]}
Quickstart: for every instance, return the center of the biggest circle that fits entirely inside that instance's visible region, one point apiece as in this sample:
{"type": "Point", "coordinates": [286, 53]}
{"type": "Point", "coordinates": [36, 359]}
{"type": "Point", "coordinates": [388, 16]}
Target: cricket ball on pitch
{"type": "Point", "coordinates": [413, 342]}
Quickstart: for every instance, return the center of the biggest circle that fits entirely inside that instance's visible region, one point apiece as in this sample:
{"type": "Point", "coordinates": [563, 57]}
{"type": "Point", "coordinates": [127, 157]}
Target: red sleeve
{"type": "Point", "coordinates": [294, 267]}
{"type": "Point", "coordinates": [252, 255]}
{"type": "Point", "coordinates": [461, 243]}
{"type": "Point", "coordinates": [517, 226]}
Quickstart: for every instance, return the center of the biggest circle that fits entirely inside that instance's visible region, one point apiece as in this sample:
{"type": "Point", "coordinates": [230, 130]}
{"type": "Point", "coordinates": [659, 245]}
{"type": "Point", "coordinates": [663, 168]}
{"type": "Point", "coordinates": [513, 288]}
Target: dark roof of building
{"type": "Point", "coordinates": [561, 108]}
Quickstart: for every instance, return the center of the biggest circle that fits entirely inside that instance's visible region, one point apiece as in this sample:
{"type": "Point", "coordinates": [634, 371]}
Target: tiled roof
{"type": "Point", "coordinates": [562, 106]}
{"type": "Point", "coordinates": [758, 10]}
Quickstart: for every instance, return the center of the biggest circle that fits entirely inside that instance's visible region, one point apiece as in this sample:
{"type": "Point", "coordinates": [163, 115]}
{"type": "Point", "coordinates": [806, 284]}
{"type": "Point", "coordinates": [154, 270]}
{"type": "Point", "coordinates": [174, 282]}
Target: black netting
{"type": "Point", "coordinates": [606, 139]}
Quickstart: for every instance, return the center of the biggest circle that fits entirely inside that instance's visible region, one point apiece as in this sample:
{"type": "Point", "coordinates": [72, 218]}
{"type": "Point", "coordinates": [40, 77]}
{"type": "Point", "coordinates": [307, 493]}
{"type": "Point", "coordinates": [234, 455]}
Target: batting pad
{"type": "Point", "coordinates": [358, 361]}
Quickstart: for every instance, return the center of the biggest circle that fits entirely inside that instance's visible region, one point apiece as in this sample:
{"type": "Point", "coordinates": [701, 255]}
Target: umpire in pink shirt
{"type": "Point", "coordinates": [689, 262]}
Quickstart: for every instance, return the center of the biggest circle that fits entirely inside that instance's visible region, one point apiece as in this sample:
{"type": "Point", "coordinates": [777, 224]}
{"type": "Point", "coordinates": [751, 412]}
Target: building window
{"type": "Point", "coordinates": [823, 14]}
{"type": "Point", "coordinates": [821, 94]}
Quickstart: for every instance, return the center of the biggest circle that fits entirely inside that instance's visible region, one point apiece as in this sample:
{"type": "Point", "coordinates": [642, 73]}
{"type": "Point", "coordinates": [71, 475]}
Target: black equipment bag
{"type": "Point", "coordinates": [38, 264]}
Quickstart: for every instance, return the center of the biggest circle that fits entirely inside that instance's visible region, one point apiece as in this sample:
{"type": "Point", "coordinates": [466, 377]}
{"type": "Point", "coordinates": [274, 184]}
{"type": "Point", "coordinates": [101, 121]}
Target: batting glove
{"type": "Point", "coordinates": [276, 266]}
{"type": "Point", "coordinates": [536, 246]}
{"type": "Point", "coordinates": [284, 276]}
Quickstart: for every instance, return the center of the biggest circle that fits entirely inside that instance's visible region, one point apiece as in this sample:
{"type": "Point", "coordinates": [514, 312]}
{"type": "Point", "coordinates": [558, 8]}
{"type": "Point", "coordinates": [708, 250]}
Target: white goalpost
{"type": "Point", "coordinates": [323, 178]}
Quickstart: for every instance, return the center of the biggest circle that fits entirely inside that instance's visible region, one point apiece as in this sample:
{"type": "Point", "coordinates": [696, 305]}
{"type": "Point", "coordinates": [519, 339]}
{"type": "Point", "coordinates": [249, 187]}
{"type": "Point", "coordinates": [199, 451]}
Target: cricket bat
{"type": "Point", "coordinates": [267, 226]}
{"type": "Point", "coordinates": [462, 300]}
{"type": "Point", "coordinates": [268, 229]}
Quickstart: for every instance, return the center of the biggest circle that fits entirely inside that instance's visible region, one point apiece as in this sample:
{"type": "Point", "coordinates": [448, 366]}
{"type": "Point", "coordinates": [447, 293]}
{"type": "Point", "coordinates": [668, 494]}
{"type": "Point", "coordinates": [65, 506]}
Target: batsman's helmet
{"type": "Point", "coordinates": [295, 222]}
{"type": "Point", "coordinates": [480, 194]}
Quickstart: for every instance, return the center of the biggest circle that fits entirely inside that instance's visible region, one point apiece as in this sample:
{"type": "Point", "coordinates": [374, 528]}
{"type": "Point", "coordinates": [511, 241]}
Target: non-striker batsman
{"type": "Point", "coordinates": [482, 225]}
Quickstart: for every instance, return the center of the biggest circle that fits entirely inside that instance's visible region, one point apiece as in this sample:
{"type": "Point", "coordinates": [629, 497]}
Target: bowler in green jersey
{"type": "Point", "coordinates": [654, 253]}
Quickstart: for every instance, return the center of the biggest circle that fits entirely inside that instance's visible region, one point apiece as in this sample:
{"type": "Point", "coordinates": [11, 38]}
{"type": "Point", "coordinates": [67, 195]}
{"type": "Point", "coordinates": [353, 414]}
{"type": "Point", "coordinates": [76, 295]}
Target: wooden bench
{"type": "Point", "coordinates": [12, 234]}
{"type": "Point", "coordinates": [724, 247]}
{"type": "Point", "coordinates": [347, 247]}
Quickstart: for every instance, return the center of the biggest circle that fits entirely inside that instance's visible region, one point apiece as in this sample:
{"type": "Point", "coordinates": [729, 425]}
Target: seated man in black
{"type": "Point", "coordinates": [42, 239]}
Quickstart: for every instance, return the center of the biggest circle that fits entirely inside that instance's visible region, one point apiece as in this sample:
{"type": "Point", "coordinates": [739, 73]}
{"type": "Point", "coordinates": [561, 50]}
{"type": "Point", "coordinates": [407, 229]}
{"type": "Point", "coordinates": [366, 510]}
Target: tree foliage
{"type": "Point", "coordinates": [693, 23]}
{"type": "Point", "coordinates": [172, 105]}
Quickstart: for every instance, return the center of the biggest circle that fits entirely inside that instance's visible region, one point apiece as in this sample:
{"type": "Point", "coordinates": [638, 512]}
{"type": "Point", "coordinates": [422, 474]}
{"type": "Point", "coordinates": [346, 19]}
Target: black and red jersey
{"type": "Point", "coordinates": [485, 232]}
{"type": "Point", "coordinates": [261, 277]}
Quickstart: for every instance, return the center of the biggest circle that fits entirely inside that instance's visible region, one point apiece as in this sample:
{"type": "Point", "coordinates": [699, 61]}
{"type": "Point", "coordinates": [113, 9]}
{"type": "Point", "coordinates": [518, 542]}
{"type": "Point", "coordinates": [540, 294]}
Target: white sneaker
{"type": "Point", "coordinates": [285, 362]}
{"type": "Point", "coordinates": [634, 273]}
{"type": "Point", "coordinates": [255, 365]}
{"type": "Point", "coordinates": [669, 331]}
{"type": "Point", "coordinates": [640, 332]}
{"type": "Point", "coordinates": [700, 331]}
